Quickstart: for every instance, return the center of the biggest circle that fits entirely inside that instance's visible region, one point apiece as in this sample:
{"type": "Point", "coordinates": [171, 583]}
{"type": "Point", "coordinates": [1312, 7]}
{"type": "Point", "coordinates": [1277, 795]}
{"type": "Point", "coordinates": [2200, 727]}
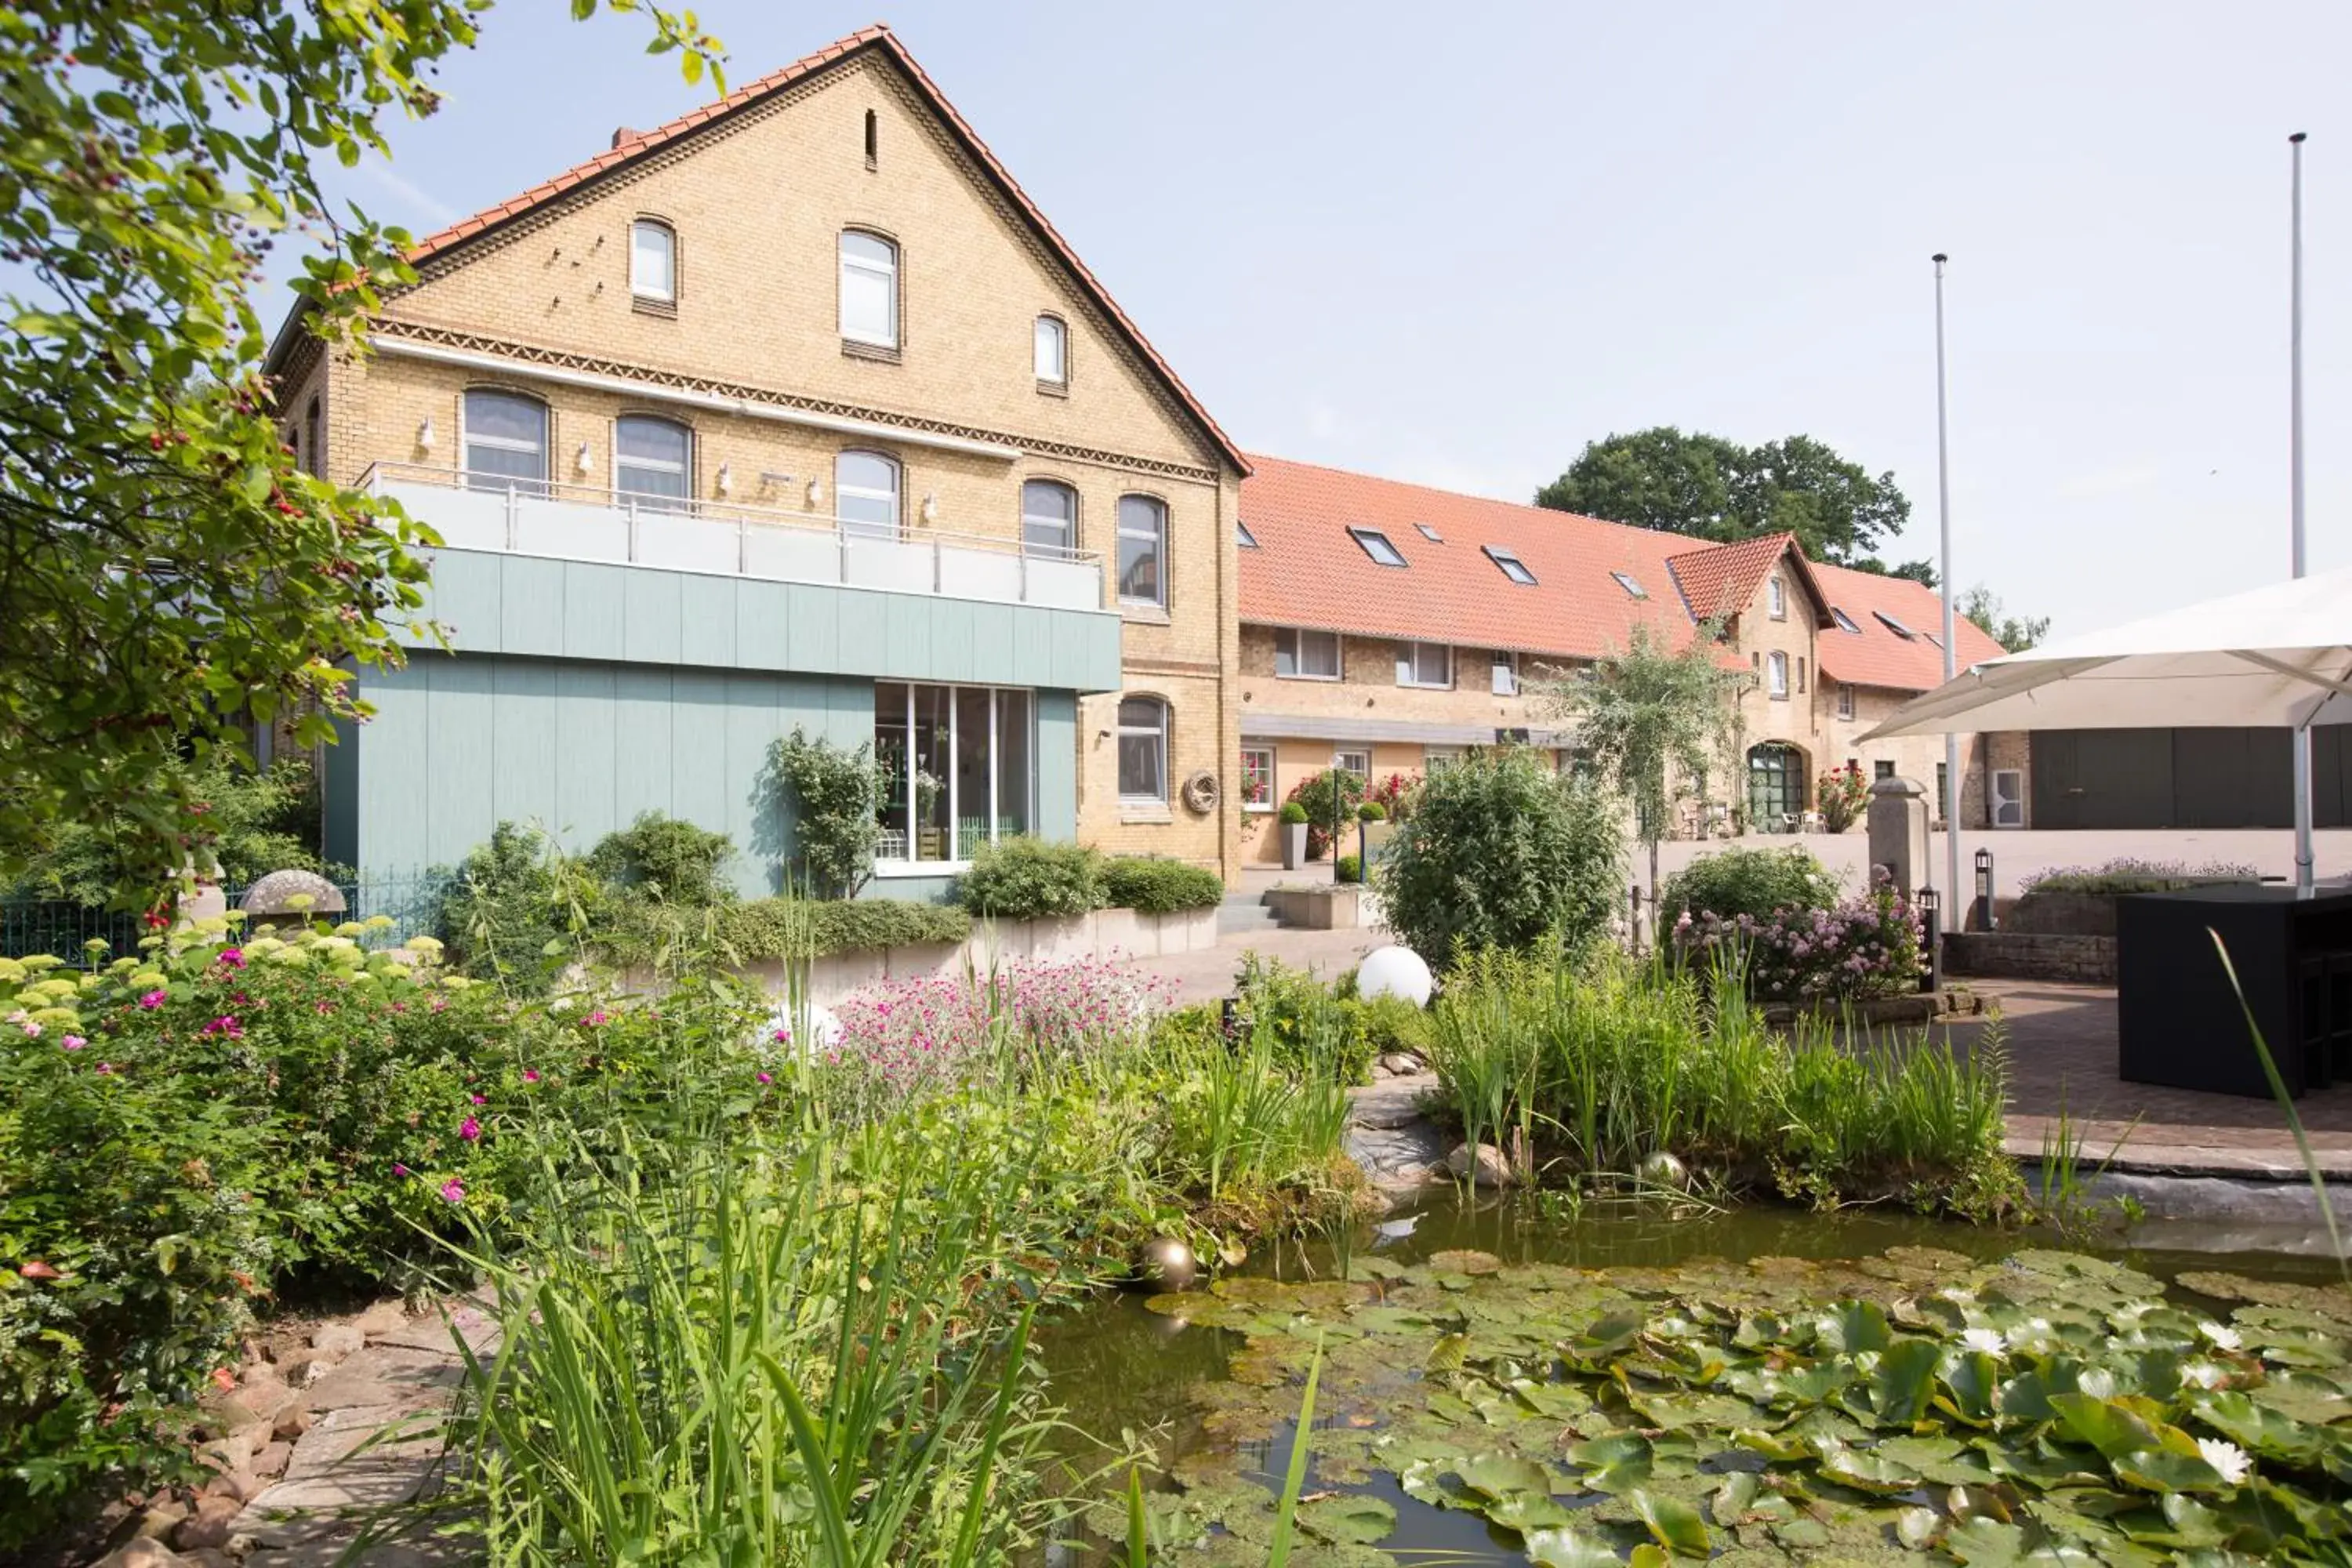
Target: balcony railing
{"type": "Point", "coordinates": [582, 523]}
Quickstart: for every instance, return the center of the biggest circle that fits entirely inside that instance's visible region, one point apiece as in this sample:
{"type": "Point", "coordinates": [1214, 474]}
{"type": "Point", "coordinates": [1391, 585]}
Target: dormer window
{"type": "Point", "coordinates": [1776, 598]}
{"type": "Point", "coordinates": [1375, 545]}
{"type": "Point", "coordinates": [1892, 624]}
{"type": "Point", "coordinates": [653, 261]}
{"type": "Point", "coordinates": [1511, 565]}
{"type": "Point", "coordinates": [1632, 589]}
{"type": "Point", "coordinates": [1844, 621]}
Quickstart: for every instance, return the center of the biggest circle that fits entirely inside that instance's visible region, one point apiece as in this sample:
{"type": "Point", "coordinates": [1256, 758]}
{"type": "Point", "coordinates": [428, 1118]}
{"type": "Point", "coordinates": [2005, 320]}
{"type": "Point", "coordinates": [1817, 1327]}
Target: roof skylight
{"type": "Point", "coordinates": [1430, 534]}
{"type": "Point", "coordinates": [1844, 621]}
{"type": "Point", "coordinates": [1626, 581]}
{"type": "Point", "coordinates": [1375, 545]}
{"type": "Point", "coordinates": [1242, 536]}
{"type": "Point", "coordinates": [1511, 565]}
{"type": "Point", "coordinates": [1898, 627]}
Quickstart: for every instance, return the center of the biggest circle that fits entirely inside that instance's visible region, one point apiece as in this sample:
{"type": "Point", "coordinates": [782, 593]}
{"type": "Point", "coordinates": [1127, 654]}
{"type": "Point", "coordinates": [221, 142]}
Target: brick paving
{"type": "Point", "coordinates": [2062, 1056]}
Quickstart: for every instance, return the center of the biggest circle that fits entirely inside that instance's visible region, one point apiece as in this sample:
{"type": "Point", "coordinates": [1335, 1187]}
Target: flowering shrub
{"type": "Point", "coordinates": [1840, 796]}
{"type": "Point", "coordinates": [2130, 874]}
{"type": "Point", "coordinates": [1867, 946]}
{"type": "Point", "coordinates": [911, 1036]}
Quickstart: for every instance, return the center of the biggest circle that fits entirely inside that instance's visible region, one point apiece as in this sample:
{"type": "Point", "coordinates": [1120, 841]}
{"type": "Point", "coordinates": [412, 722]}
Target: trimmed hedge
{"type": "Point", "coordinates": [770, 927]}
{"type": "Point", "coordinates": [1025, 879]}
{"type": "Point", "coordinates": [1160, 886]}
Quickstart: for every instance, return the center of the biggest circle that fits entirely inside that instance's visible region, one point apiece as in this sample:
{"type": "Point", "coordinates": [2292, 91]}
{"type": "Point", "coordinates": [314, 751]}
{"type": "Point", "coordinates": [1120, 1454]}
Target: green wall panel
{"type": "Point", "coordinates": [1057, 765]}
{"type": "Point", "coordinates": [641, 745]}
{"type": "Point", "coordinates": [587, 744]}
{"type": "Point", "coordinates": [639, 615]}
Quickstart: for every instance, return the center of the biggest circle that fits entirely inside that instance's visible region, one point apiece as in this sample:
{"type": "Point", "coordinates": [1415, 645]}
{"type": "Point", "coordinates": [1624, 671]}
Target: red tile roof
{"type": "Point", "coordinates": [1307, 571]}
{"type": "Point", "coordinates": [1876, 655]}
{"type": "Point", "coordinates": [632, 145]}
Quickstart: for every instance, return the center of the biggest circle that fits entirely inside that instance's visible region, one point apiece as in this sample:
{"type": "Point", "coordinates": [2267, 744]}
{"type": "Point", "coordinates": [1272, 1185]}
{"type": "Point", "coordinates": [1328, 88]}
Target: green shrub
{"type": "Point", "coordinates": [832, 796]}
{"type": "Point", "coordinates": [515, 909]}
{"type": "Point", "coordinates": [1392, 1024]}
{"type": "Point", "coordinates": [862, 925]}
{"type": "Point", "coordinates": [1327, 797]}
{"type": "Point", "coordinates": [1347, 868]}
{"type": "Point", "coordinates": [1371, 811]}
{"type": "Point", "coordinates": [257, 822]}
{"type": "Point", "coordinates": [1292, 812]}
{"type": "Point", "coordinates": [1752, 882]}
{"type": "Point", "coordinates": [1160, 886]}
{"type": "Point", "coordinates": [663, 858]}
{"type": "Point", "coordinates": [1309, 1029]}
{"type": "Point", "coordinates": [762, 928]}
{"type": "Point", "coordinates": [1025, 878]}
{"type": "Point", "coordinates": [2129, 874]}
{"type": "Point", "coordinates": [1500, 850]}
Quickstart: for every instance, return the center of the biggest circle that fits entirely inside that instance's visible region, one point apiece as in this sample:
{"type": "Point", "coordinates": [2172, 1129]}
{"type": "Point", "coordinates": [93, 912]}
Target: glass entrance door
{"type": "Point", "coordinates": [1775, 788]}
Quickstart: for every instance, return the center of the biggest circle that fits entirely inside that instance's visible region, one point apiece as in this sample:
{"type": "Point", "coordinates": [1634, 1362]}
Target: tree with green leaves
{"type": "Point", "coordinates": [1642, 714]}
{"type": "Point", "coordinates": [1708, 488]}
{"type": "Point", "coordinates": [168, 575]}
{"type": "Point", "coordinates": [2014, 633]}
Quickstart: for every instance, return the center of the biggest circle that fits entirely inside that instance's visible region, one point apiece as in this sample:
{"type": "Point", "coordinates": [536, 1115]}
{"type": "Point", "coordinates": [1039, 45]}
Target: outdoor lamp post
{"type": "Point", "coordinates": [1984, 889]}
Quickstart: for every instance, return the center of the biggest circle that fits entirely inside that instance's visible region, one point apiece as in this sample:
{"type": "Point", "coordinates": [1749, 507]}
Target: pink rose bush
{"type": "Point", "coordinates": [1867, 946]}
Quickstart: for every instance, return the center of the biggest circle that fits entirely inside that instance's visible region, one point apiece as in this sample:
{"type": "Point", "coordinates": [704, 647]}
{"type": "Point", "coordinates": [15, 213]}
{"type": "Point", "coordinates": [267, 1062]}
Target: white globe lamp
{"type": "Point", "coordinates": [1394, 972]}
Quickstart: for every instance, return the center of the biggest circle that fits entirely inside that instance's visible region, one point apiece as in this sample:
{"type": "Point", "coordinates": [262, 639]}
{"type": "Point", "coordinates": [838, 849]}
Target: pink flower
{"type": "Point", "coordinates": [233, 957]}
{"type": "Point", "coordinates": [784, 1036]}
{"type": "Point", "coordinates": [481, 1100]}
{"type": "Point", "coordinates": [763, 1077]}
{"type": "Point", "coordinates": [32, 1030]}
{"type": "Point", "coordinates": [453, 1191]}
{"type": "Point", "coordinates": [106, 1069]}
{"type": "Point", "coordinates": [598, 1016]}
{"type": "Point", "coordinates": [398, 1169]}
{"type": "Point", "coordinates": [74, 1042]}
{"type": "Point", "coordinates": [529, 1075]}
{"type": "Point", "coordinates": [470, 1129]}
{"type": "Point", "coordinates": [153, 1000]}
{"type": "Point", "coordinates": [224, 1024]}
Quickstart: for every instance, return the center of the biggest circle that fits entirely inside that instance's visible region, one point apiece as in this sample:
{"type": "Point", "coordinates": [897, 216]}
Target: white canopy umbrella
{"type": "Point", "coordinates": [2278, 656]}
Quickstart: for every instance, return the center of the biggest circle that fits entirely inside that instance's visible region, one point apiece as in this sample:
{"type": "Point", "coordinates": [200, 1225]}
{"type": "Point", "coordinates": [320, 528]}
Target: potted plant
{"type": "Point", "coordinates": [1294, 835]}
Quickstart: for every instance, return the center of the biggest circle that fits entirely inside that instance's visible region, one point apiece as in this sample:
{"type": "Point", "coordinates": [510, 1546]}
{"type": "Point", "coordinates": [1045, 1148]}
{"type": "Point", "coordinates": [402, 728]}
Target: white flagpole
{"type": "Point", "coordinates": [1951, 801]}
{"type": "Point", "coordinates": [2301, 762]}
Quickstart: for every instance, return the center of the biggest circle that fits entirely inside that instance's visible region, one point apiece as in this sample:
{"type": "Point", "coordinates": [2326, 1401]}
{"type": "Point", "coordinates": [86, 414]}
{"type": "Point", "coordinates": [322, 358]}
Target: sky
{"type": "Point", "coordinates": [1453, 244]}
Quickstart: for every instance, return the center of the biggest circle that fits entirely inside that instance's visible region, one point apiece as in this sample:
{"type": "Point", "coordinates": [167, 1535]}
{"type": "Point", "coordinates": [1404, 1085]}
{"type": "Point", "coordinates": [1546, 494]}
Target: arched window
{"type": "Point", "coordinates": [869, 290]}
{"type": "Point", "coordinates": [1142, 551]}
{"type": "Point", "coordinates": [866, 494]}
{"type": "Point", "coordinates": [1053, 351]}
{"type": "Point", "coordinates": [505, 441]}
{"type": "Point", "coordinates": [653, 462]}
{"type": "Point", "coordinates": [1049, 518]}
{"type": "Point", "coordinates": [653, 261]}
{"type": "Point", "coordinates": [1143, 750]}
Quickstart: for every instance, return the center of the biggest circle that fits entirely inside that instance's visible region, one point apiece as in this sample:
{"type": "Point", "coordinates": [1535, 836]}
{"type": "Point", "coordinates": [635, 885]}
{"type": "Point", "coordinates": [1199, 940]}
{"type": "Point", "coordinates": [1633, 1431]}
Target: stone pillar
{"type": "Point", "coordinates": [1898, 833]}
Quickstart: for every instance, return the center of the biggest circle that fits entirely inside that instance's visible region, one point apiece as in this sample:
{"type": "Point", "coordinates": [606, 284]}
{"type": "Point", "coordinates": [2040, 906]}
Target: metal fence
{"type": "Point", "coordinates": [65, 929]}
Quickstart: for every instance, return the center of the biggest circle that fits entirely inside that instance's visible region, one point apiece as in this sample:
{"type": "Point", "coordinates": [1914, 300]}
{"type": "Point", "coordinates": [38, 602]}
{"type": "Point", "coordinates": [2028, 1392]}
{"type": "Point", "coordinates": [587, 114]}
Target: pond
{"type": "Point", "coordinates": [1505, 1380]}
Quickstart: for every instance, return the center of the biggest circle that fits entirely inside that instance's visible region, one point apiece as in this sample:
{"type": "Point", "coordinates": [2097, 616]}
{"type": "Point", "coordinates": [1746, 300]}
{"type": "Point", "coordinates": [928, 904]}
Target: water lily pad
{"type": "Point", "coordinates": [1565, 1548]}
{"type": "Point", "coordinates": [1869, 1472]}
{"type": "Point", "coordinates": [1616, 1463]}
{"type": "Point", "coordinates": [1675, 1524]}
{"type": "Point", "coordinates": [1351, 1519]}
{"type": "Point", "coordinates": [1986, 1541]}
{"type": "Point", "coordinates": [1918, 1528]}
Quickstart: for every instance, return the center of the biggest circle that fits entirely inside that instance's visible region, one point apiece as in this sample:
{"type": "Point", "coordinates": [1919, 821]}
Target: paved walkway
{"type": "Point", "coordinates": [1208, 974]}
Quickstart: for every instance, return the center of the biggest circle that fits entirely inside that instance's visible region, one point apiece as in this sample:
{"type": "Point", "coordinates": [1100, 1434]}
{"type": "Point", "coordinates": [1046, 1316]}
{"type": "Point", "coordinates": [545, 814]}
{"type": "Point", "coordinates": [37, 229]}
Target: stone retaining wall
{"type": "Point", "coordinates": [2022, 955]}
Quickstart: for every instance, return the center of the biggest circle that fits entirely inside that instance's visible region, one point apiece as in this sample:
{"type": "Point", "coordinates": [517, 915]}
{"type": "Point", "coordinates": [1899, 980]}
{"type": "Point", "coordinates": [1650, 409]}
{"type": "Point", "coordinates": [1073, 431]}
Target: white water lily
{"type": "Point", "coordinates": [1990, 1341]}
{"type": "Point", "coordinates": [2220, 1335]}
{"type": "Point", "coordinates": [2203, 1374]}
{"type": "Point", "coordinates": [2227, 1458]}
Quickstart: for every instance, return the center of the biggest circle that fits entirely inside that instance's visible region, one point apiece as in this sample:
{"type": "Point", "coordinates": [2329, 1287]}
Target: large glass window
{"type": "Point", "coordinates": [1142, 551]}
{"type": "Point", "coordinates": [505, 441]}
{"type": "Point", "coordinates": [1049, 518]}
{"type": "Point", "coordinates": [652, 462]}
{"type": "Point", "coordinates": [1305, 655]}
{"type": "Point", "coordinates": [956, 764]}
{"type": "Point", "coordinates": [1424, 664]}
{"type": "Point", "coordinates": [653, 261]}
{"type": "Point", "coordinates": [869, 290]}
{"type": "Point", "coordinates": [1257, 778]}
{"type": "Point", "coordinates": [866, 494]}
{"type": "Point", "coordinates": [1143, 750]}
{"type": "Point", "coordinates": [1053, 351]}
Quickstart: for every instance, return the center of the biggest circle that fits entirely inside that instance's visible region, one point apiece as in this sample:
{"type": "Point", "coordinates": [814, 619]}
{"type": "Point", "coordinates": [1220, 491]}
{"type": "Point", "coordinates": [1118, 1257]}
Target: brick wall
{"type": "Point", "coordinates": [758, 204]}
{"type": "Point", "coordinates": [2013, 955]}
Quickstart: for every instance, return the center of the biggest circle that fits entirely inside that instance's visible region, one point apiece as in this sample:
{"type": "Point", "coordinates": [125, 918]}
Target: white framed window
{"type": "Point", "coordinates": [1844, 700]}
{"type": "Point", "coordinates": [1424, 664]}
{"type": "Point", "coordinates": [1776, 597]}
{"type": "Point", "coordinates": [1142, 551]}
{"type": "Point", "coordinates": [958, 769]}
{"type": "Point", "coordinates": [1049, 518]}
{"type": "Point", "coordinates": [653, 261]}
{"type": "Point", "coordinates": [1143, 750]}
{"type": "Point", "coordinates": [1435, 757]}
{"type": "Point", "coordinates": [1376, 544]}
{"type": "Point", "coordinates": [1257, 778]}
{"type": "Point", "coordinates": [1305, 655]}
{"type": "Point", "coordinates": [505, 441]}
{"type": "Point", "coordinates": [1357, 763]}
{"type": "Point", "coordinates": [1776, 676]}
{"type": "Point", "coordinates": [1053, 351]}
{"type": "Point", "coordinates": [869, 290]}
{"type": "Point", "coordinates": [1508, 562]}
{"type": "Point", "coordinates": [2008, 797]}
{"type": "Point", "coordinates": [1504, 673]}
{"type": "Point", "coordinates": [866, 494]}
{"type": "Point", "coordinates": [653, 462]}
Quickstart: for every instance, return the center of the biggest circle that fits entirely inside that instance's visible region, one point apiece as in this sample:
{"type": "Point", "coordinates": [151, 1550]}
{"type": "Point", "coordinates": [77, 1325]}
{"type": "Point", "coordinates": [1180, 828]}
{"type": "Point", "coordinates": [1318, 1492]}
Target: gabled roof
{"type": "Point", "coordinates": [878, 39]}
{"type": "Point", "coordinates": [1307, 571]}
{"type": "Point", "coordinates": [1874, 654]}
{"type": "Point", "coordinates": [1719, 581]}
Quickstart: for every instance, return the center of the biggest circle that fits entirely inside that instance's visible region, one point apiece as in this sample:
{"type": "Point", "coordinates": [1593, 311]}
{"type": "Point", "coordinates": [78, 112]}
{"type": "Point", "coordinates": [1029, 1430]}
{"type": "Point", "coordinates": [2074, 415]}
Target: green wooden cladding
{"type": "Point", "coordinates": [642, 614]}
{"type": "Point", "coordinates": [583, 746]}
